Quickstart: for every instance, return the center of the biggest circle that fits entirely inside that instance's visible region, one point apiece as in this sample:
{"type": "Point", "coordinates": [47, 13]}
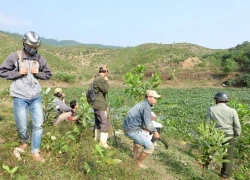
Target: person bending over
{"type": "Point", "coordinates": [74, 106]}
{"type": "Point", "coordinates": [62, 109]}
{"type": "Point", "coordinates": [137, 120]}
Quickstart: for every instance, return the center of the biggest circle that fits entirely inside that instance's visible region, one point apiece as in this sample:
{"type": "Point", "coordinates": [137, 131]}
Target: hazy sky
{"type": "Point", "coordinates": [216, 24]}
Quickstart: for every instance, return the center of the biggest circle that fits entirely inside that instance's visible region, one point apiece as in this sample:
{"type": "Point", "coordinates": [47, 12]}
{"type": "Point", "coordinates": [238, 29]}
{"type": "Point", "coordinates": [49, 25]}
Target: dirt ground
{"type": "Point", "coordinates": [120, 84]}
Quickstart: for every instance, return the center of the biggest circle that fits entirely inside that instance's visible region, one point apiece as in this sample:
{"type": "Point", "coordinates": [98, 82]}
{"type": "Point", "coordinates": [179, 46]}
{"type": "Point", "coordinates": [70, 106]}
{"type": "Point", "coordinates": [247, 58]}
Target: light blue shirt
{"type": "Point", "coordinates": [139, 117]}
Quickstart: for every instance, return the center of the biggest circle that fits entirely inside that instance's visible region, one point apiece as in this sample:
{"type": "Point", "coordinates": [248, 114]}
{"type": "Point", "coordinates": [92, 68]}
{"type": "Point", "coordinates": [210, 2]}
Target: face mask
{"type": "Point", "coordinates": [30, 51]}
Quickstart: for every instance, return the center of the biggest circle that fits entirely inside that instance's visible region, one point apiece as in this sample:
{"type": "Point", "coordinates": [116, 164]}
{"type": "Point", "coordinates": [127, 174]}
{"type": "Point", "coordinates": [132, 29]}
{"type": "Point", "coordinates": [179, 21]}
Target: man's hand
{"type": "Point", "coordinates": [34, 71]}
{"type": "Point", "coordinates": [106, 78]}
{"type": "Point", "coordinates": [63, 97]}
{"type": "Point", "coordinates": [156, 135]}
{"type": "Point", "coordinates": [22, 71]}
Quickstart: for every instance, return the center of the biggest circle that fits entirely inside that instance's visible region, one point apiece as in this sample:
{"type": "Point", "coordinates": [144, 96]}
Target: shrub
{"type": "Point", "coordinates": [209, 144]}
{"type": "Point", "coordinates": [242, 80]}
{"type": "Point", "coordinates": [229, 82]}
{"type": "Point", "coordinates": [65, 77]}
{"type": "Point", "coordinates": [137, 85]}
{"type": "Point", "coordinates": [229, 65]}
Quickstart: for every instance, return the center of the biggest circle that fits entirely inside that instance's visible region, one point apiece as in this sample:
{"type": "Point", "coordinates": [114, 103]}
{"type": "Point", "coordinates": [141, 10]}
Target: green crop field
{"type": "Point", "coordinates": [180, 111]}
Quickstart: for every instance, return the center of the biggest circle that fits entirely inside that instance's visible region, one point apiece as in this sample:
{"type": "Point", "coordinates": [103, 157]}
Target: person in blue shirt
{"type": "Point", "coordinates": [138, 119]}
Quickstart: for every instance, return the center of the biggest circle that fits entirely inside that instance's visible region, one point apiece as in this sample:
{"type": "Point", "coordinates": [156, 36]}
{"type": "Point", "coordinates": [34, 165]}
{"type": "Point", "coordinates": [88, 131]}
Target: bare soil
{"type": "Point", "coordinates": [190, 62]}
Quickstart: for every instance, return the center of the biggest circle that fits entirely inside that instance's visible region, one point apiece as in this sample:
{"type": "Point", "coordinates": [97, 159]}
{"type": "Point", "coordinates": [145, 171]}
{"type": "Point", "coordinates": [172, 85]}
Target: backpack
{"type": "Point", "coordinates": [91, 94]}
{"type": "Point", "coordinates": [22, 63]}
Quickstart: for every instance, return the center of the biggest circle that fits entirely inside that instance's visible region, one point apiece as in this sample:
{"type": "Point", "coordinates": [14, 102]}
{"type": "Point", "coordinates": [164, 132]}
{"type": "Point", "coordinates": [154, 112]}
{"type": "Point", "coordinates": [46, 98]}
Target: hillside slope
{"type": "Point", "coordinates": [180, 62]}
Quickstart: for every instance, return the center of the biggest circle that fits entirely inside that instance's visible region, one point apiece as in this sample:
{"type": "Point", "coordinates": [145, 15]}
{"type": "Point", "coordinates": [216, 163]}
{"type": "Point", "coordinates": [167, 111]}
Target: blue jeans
{"type": "Point", "coordinates": [20, 107]}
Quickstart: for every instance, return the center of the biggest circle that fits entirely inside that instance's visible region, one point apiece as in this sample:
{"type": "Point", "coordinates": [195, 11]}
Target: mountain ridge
{"type": "Point", "coordinates": [54, 42]}
{"type": "Point", "coordinates": [175, 62]}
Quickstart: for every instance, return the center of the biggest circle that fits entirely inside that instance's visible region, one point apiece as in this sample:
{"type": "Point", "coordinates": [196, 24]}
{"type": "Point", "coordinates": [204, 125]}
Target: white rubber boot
{"type": "Point", "coordinates": [97, 135]}
{"type": "Point", "coordinates": [103, 140]}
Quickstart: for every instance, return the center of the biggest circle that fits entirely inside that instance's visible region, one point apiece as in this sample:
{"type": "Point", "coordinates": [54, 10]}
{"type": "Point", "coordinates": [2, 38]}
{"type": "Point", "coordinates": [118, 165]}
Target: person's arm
{"type": "Point", "coordinates": [156, 134]}
{"type": "Point", "coordinates": [208, 115]}
{"type": "Point", "coordinates": [8, 69]}
{"type": "Point", "coordinates": [44, 72]}
{"type": "Point", "coordinates": [63, 107]}
{"type": "Point", "coordinates": [147, 118]}
{"type": "Point", "coordinates": [63, 97]}
{"type": "Point", "coordinates": [236, 124]}
{"type": "Point", "coordinates": [103, 85]}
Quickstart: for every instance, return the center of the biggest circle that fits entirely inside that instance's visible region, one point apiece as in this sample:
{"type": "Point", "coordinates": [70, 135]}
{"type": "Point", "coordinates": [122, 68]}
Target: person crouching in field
{"type": "Point", "coordinates": [137, 120]}
{"type": "Point", "coordinates": [62, 109]}
{"type": "Point", "coordinates": [74, 106]}
{"type": "Point", "coordinates": [24, 68]}
{"type": "Point", "coordinates": [227, 120]}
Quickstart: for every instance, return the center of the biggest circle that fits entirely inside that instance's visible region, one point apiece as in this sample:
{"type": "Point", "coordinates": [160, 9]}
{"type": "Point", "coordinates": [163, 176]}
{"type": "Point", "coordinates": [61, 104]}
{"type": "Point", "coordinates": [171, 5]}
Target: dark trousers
{"type": "Point", "coordinates": [101, 121]}
{"type": "Point", "coordinates": [153, 139]}
{"type": "Point", "coordinates": [226, 170]}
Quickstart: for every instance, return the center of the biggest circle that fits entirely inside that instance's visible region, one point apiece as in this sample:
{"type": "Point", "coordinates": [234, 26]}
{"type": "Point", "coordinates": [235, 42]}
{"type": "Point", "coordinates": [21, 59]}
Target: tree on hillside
{"type": "Point", "coordinates": [137, 84]}
{"type": "Point", "coordinates": [229, 65]}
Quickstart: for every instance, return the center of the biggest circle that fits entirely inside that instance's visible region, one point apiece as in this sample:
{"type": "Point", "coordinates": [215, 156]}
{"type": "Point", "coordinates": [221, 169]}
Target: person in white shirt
{"type": "Point", "coordinates": [157, 126]}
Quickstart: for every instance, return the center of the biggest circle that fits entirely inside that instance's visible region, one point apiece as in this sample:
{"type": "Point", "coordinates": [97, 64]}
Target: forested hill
{"type": "Point", "coordinates": [54, 42]}
{"type": "Point", "coordinates": [179, 62]}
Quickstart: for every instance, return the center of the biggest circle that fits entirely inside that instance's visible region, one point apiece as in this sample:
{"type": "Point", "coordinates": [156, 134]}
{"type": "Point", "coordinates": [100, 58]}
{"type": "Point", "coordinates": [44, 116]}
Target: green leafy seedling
{"type": "Point", "coordinates": [9, 171]}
